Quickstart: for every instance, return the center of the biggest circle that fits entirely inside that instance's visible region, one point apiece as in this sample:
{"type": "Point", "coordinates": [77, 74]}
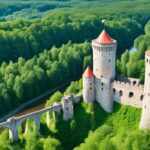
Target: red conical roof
{"type": "Point", "coordinates": [88, 73]}
{"type": "Point", "coordinates": [147, 53]}
{"type": "Point", "coordinates": [104, 38]}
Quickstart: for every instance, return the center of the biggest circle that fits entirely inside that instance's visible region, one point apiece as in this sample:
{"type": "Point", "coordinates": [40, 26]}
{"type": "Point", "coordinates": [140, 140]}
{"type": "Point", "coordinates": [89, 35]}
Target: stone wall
{"type": "Point", "coordinates": [128, 93]}
{"type": "Point", "coordinates": [104, 57]}
{"type": "Point", "coordinates": [104, 94]}
{"type": "Point", "coordinates": [145, 117]}
{"type": "Point", "coordinates": [88, 89]}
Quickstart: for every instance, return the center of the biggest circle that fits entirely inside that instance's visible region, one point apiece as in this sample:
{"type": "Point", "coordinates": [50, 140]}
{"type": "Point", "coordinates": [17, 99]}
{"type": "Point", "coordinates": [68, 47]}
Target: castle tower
{"type": "Point", "coordinates": [67, 107]}
{"type": "Point", "coordinates": [104, 55]}
{"type": "Point", "coordinates": [88, 86]}
{"type": "Point", "coordinates": [145, 117]}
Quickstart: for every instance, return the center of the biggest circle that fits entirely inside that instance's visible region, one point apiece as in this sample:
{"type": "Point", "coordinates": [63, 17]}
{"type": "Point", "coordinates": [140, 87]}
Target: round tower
{"type": "Point", "coordinates": [104, 55]}
{"type": "Point", "coordinates": [145, 117]}
{"type": "Point", "coordinates": [88, 86]}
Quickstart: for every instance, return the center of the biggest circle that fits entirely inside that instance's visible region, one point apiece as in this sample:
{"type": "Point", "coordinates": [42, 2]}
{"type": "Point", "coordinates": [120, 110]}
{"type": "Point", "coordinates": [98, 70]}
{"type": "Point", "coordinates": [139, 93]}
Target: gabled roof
{"type": "Point", "coordinates": [147, 52]}
{"type": "Point", "coordinates": [104, 38]}
{"type": "Point", "coordinates": [88, 73]}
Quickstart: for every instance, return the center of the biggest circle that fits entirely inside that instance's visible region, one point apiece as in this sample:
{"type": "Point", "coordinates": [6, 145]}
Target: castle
{"type": "Point", "coordinates": [104, 86]}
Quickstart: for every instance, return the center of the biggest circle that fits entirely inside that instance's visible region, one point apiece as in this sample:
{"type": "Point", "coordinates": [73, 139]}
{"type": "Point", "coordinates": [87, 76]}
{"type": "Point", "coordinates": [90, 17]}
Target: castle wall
{"type": "Point", "coordinates": [67, 107]}
{"type": "Point", "coordinates": [128, 80]}
{"type": "Point", "coordinates": [145, 117]}
{"type": "Point", "coordinates": [128, 93]}
{"type": "Point", "coordinates": [104, 56]}
{"type": "Point", "coordinates": [104, 94]}
{"type": "Point", "coordinates": [88, 89]}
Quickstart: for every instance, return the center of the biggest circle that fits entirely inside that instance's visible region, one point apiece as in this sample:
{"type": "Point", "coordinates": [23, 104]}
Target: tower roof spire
{"type": "Point", "coordinates": [147, 52]}
{"type": "Point", "coordinates": [88, 73]}
{"type": "Point", "coordinates": [104, 38]}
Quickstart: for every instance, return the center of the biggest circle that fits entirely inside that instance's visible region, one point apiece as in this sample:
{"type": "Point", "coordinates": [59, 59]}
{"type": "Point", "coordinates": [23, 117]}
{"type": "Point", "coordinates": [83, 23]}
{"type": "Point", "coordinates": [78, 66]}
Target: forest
{"type": "Point", "coordinates": [45, 43]}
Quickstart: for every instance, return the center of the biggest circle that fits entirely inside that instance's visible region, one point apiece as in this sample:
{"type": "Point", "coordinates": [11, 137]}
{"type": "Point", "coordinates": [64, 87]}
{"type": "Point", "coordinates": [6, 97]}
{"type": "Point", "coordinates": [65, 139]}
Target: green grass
{"type": "Point", "coordinates": [92, 129]}
{"type": "Point", "coordinates": [91, 122]}
{"type": "Point", "coordinates": [119, 131]}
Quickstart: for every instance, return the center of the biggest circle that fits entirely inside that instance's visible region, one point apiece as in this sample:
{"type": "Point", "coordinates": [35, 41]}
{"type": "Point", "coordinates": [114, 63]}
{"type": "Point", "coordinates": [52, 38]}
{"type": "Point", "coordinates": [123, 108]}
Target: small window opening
{"type": "Point", "coordinates": [120, 93]}
{"type": "Point", "coordinates": [114, 90]}
{"type": "Point", "coordinates": [134, 82]}
{"type": "Point", "coordinates": [141, 97]}
{"type": "Point", "coordinates": [131, 94]}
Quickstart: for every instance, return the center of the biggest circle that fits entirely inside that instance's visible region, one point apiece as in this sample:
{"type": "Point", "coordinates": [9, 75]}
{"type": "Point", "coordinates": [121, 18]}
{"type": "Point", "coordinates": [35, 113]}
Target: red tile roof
{"type": "Point", "coordinates": [147, 53]}
{"type": "Point", "coordinates": [104, 38]}
{"type": "Point", "coordinates": [88, 73]}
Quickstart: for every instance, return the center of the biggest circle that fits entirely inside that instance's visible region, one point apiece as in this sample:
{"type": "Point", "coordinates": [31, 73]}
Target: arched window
{"type": "Point", "coordinates": [120, 93]}
{"type": "Point", "coordinates": [109, 60]}
{"type": "Point", "coordinates": [114, 90]}
{"type": "Point", "coordinates": [134, 82]}
{"type": "Point", "coordinates": [131, 94]}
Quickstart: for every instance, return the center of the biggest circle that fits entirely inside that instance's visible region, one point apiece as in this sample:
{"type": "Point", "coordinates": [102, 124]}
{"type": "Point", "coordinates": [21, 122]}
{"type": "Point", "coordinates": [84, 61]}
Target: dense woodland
{"type": "Point", "coordinates": [134, 64]}
{"type": "Point", "coordinates": [24, 80]}
{"type": "Point", "coordinates": [28, 38]}
{"type": "Point", "coordinates": [43, 44]}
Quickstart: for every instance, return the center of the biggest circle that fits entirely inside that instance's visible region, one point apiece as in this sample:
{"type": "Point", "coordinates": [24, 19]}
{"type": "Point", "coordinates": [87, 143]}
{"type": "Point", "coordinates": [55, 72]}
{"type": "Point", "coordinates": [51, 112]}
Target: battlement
{"type": "Point", "coordinates": [127, 85]}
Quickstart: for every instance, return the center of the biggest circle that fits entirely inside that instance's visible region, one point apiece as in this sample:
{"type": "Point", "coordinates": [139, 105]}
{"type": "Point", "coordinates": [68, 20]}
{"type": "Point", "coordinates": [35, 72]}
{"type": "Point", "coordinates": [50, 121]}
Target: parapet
{"type": "Point", "coordinates": [121, 84]}
{"type": "Point", "coordinates": [134, 81]}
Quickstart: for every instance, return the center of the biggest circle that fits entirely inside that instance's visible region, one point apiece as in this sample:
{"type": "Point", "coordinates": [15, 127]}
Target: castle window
{"type": "Point", "coordinates": [120, 93]}
{"type": "Point", "coordinates": [102, 83]}
{"type": "Point", "coordinates": [147, 60]}
{"type": "Point", "coordinates": [149, 74]}
{"type": "Point", "coordinates": [101, 76]}
{"type": "Point", "coordinates": [102, 89]}
{"type": "Point", "coordinates": [141, 97]}
{"type": "Point", "coordinates": [67, 108]}
{"type": "Point", "coordinates": [131, 94]}
{"type": "Point", "coordinates": [109, 60]}
{"type": "Point", "coordinates": [145, 106]}
{"type": "Point", "coordinates": [114, 90]}
{"type": "Point", "coordinates": [90, 88]}
{"type": "Point", "coordinates": [134, 82]}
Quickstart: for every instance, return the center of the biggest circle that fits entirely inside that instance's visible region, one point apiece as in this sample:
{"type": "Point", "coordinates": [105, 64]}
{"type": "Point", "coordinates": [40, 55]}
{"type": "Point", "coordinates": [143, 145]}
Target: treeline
{"type": "Point", "coordinates": [29, 38]}
{"type": "Point", "coordinates": [133, 65]}
{"type": "Point", "coordinates": [10, 7]}
{"type": "Point", "coordinates": [24, 80]}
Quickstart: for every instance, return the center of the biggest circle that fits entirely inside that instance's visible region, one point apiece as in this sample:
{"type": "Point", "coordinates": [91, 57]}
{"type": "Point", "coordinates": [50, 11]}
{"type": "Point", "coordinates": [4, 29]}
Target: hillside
{"type": "Point", "coordinates": [91, 128]}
